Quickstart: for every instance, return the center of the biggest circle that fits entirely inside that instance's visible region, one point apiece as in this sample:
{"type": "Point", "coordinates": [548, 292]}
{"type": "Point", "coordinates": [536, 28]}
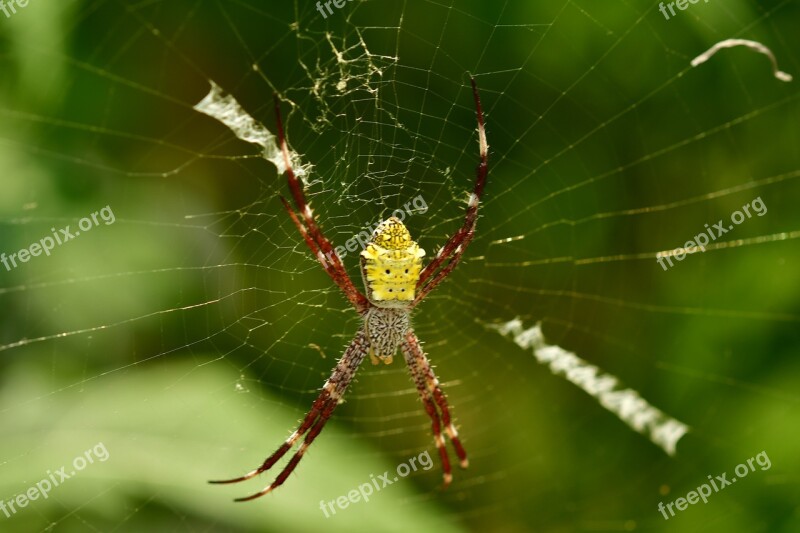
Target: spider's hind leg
{"type": "Point", "coordinates": [315, 420]}
{"type": "Point", "coordinates": [433, 397]}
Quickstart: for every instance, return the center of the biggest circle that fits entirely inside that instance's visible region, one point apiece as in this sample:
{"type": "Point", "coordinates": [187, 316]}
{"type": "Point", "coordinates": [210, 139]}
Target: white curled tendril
{"type": "Point", "coordinates": [753, 45]}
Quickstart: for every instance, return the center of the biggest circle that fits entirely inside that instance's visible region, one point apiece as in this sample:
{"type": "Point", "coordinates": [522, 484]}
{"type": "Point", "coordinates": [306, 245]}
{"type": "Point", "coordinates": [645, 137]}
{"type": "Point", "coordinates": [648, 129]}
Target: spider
{"type": "Point", "coordinates": [395, 283]}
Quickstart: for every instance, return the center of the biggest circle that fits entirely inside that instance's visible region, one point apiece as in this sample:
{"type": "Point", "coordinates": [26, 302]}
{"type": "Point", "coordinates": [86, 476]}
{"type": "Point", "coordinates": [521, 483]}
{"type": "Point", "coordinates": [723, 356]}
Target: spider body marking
{"type": "Point", "coordinates": [390, 266]}
{"type": "Point", "coordinates": [395, 283]}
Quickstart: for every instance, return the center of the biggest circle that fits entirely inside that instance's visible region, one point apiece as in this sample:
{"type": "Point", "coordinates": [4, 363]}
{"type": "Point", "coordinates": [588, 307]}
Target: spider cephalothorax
{"type": "Point", "coordinates": [395, 282]}
{"type": "Point", "coordinates": [385, 328]}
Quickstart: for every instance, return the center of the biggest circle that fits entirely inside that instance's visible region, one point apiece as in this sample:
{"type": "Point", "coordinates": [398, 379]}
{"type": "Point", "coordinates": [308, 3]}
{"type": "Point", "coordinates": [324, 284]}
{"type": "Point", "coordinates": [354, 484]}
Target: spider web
{"type": "Point", "coordinates": [191, 334]}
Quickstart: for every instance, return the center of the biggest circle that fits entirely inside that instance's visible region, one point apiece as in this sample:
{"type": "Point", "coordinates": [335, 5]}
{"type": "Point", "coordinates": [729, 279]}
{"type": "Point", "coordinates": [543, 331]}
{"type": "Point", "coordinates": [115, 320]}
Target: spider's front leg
{"type": "Point", "coordinates": [450, 254]}
{"type": "Point", "coordinates": [319, 245]}
{"type": "Point", "coordinates": [315, 419]}
{"type": "Point", "coordinates": [433, 397]}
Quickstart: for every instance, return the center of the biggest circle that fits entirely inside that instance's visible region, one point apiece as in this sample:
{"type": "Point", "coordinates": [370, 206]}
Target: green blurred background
{"type": "Point", "coordinates": [190, 336]}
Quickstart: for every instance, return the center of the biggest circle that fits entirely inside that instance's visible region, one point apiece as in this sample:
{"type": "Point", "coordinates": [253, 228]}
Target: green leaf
{"type": "Point", "coordinates": [167, 429]}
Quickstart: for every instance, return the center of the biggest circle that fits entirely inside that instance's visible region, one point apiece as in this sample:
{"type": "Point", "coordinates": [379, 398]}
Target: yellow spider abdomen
{"type": "Point", "coordinates": [390, 265]}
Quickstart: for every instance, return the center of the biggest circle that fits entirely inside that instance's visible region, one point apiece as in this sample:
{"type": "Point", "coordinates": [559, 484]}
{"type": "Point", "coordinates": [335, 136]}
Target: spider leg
{"type": "Point", "coordinates": [322, 401]}
{"type": "Point", "coordinates": [441, 401]}
{"type": "Point", "coordinates": [315, 420]}
{"type": "Point", "coordinates": [332, 272]}
{"type": "Point", "coordinates": [450, 254]}
{"type": "Point", "coordinates": [320, 246]}
{"type": "Point", "coordinates": [436, 424]}
{"type": "Point", "coordinates": [293, 462]}
{"type": "Point", "coordinates": [439, 397]}
{"type": "Point", "coordinates": [432, 396]}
